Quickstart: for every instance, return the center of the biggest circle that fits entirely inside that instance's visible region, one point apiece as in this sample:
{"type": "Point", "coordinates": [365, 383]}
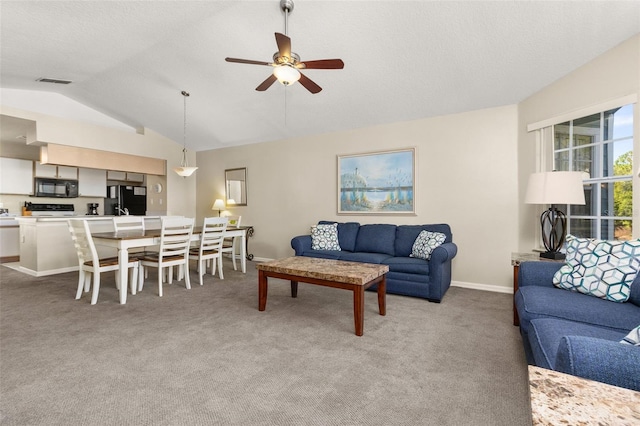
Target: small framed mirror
{"type": "Point", "coordinates": [236, 186]}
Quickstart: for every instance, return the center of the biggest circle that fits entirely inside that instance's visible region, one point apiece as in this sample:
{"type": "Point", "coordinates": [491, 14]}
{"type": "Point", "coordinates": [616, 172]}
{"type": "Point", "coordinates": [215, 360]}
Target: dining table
{"type": "Point", "coordinates": [125, 240]}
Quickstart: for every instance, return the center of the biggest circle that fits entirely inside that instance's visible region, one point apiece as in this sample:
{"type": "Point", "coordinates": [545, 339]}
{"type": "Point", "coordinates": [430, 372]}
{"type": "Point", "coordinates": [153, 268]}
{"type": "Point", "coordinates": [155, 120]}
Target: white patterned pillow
{"type": "Point", "coordinates": [325, 237]}
{"type": "Point", "coordinates": [604, 269]}
{"type": "Point", "coordinates": [426, 242]}
{"type": "Point", "coordinates": [633, 338]}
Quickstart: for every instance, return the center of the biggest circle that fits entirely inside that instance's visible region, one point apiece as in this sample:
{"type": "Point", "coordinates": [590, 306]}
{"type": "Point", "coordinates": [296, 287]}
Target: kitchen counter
{"type": "Point", "coordinates": [46, 247]}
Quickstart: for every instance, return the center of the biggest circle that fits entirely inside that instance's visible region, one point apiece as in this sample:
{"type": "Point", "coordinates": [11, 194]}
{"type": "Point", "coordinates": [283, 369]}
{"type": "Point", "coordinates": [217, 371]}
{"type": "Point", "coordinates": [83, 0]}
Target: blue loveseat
{"type": "Point", "coordinates": [391, 245]}
{"type": "Point", "coordinates": [575, 333]}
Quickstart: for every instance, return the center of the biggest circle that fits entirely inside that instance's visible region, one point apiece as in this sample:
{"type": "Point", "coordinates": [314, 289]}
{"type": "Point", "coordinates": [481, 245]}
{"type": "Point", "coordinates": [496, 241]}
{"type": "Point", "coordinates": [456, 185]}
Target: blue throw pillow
{"type": "Point", "coordinates": [604, 269]}
{"type": "Point", "coordinates": [325, 237]}
{"type": "Point", "coordinates": [426, 242]}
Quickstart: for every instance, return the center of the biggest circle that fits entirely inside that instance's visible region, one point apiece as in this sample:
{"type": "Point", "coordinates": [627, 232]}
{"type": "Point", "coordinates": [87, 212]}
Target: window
{"type": "Point", "coordinates": [601, 145]}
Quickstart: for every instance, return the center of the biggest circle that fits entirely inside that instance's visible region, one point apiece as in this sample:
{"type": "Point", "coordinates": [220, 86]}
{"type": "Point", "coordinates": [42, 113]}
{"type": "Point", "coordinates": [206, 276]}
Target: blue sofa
{"type": "Point", "coordinates": [391, 245]}
{"type": "Point", "coordinates": [575, 333]}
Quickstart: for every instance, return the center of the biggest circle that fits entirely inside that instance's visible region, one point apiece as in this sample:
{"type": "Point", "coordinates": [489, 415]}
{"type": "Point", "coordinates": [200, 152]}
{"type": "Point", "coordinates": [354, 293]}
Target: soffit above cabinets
{"type": "Point", "coordinates": [97, 159]}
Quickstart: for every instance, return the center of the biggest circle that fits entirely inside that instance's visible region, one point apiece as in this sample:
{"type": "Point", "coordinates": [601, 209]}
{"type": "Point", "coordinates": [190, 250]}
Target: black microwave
{"type": "Point", "coordinates": [56, 188]}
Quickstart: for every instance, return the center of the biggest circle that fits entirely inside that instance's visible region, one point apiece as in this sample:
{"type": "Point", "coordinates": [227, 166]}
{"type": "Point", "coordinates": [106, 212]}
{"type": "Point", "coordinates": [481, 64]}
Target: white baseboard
{"type": "Point", "coordinates": [43, 273]}
{"type": "Point", "coordinates": [483, 287]}
{"type": "Point", "coordinates": [473, 286]}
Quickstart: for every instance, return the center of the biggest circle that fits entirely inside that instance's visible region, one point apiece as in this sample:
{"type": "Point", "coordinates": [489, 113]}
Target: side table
{"type": "Point", "coordinates": [516, 260]}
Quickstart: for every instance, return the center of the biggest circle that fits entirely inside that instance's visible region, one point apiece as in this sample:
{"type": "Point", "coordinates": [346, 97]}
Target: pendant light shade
{"type": "Point", "coordinates": [184, 170]}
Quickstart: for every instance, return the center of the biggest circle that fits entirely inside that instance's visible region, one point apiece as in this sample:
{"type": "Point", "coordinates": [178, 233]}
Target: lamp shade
{"type": "Point", "coordinates": [286, 74]}
{"type": "Point", "coordinates": [218, 205]}
{"type": "Point", "coordinates": [555, 188]}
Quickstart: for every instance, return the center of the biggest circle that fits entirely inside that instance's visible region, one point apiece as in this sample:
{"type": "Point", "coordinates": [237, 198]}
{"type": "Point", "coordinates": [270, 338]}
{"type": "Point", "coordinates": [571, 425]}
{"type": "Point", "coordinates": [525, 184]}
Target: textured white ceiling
{"type": "Point", "coordinates": [404, 60]}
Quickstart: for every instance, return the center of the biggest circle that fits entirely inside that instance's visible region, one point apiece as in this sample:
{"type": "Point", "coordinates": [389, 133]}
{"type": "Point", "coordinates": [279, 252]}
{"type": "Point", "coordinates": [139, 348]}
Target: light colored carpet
{"type": "Point", "coordinates": [207, 356]}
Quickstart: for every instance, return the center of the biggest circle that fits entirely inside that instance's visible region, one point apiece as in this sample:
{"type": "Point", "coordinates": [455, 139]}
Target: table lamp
{"type": "Point", "coordinates": [218, 205]}
{"type": "Point", "coordinates": [554, 188]}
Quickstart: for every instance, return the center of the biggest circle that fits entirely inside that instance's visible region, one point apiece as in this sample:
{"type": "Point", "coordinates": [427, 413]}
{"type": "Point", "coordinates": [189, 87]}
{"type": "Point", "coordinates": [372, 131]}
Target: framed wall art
{"type": "Point", "coordinates": [377, 182]}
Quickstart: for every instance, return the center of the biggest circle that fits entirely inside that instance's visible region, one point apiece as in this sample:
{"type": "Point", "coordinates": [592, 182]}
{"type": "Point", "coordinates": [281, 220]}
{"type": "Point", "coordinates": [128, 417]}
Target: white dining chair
{"type": "Point", "coordinates": [175, 239]}
{"type": "Point", "coordinates": [128, 223]}
{"type": "Point", "coordinates": [210, 246]}
{"type": "Point", "coordinates": [131, 223]}
{"type": "Point", "coordinates": [90, 264]}
{"type": "Point", "coordinates": [229, 245]}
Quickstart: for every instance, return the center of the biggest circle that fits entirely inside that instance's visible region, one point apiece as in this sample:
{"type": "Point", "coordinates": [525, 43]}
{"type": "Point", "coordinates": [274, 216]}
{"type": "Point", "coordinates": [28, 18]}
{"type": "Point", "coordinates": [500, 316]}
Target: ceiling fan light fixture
{"type": "Point", "coordinates": [286, 74]}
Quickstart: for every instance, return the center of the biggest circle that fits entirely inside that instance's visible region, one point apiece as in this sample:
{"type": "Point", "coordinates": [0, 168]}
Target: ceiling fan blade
{"type": "Point", "coordinates": [322, 64]}
{"type": "Point", "coordinates": [267, 83]}
{"type": "Point", "coordinates": [247, 61]}
{"type": "Point", "coordinates": [284, 45]}
{"type": "Point", "coordinates": [308, 84]}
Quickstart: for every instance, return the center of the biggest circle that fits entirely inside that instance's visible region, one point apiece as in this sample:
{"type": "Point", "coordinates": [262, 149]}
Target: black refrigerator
{"type": "Point", "coordinates": [123, 199]}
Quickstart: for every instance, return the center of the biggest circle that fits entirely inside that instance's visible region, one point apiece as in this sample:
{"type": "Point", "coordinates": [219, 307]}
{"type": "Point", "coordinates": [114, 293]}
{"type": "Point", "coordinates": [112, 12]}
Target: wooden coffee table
{"type": "Point", "coordinates": [354, 276]}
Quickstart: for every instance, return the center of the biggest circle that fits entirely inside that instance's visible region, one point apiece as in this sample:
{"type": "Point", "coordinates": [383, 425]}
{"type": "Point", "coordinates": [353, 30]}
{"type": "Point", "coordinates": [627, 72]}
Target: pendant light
{"type": "Point", "coordinates": [184, 170]}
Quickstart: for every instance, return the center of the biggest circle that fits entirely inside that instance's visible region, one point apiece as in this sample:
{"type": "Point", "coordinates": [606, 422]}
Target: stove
{"type": "Point", "coordinates": [52, 210]}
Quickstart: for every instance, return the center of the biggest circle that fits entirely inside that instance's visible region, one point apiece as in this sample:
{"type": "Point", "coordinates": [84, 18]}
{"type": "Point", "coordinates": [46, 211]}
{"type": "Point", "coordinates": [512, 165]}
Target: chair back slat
{"type": "Point", "coordinates": [212, 236]}
{"type": "Point", "coordinates": [175, 237]}
{"type": "Point", "coordinates": [83, 242]}
{"type": "Point", "coordinates": [128, 223]}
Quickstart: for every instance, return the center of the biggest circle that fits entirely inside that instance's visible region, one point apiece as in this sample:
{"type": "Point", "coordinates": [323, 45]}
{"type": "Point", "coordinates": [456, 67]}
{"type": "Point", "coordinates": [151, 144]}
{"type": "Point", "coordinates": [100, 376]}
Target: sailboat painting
{"type": "Point", "coordinates": [377, 183]}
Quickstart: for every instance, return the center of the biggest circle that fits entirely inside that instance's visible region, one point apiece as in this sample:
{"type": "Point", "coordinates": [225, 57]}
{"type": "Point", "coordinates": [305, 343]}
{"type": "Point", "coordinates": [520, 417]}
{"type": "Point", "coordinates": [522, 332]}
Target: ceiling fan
{"type": "Point", "coordinates": [286, 64]}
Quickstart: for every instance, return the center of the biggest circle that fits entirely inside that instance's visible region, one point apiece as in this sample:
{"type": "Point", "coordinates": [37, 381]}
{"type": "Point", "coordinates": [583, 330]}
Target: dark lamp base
{"type": "Point", "coordinates": [555, 255]}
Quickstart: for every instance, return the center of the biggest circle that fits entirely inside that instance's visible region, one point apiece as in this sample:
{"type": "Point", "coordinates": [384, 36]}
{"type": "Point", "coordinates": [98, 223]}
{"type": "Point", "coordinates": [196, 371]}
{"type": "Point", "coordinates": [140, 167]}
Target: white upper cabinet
{"type": "Point", "coordinates": [16, 176]}
{"type": "Point", "coordinates": [56, 172]}
{"type": "Point", "coordinates": [135, 177]}
{"type": "Point", "coordinates": [92, 183]}
{"type": "Point", "coordinates": [116, 175]}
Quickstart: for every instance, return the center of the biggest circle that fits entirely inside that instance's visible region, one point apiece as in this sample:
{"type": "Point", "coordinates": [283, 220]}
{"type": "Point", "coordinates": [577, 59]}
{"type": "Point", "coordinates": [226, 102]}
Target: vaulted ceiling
{"type": "Point", "coordinates": [404, 60]}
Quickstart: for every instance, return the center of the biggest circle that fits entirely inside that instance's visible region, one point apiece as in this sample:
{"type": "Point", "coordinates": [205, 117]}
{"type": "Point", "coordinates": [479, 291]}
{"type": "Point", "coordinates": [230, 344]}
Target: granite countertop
{"type": "Point", "coordinates": [562, 399]}
{"type": "Point", "coordinates": [326, 269]}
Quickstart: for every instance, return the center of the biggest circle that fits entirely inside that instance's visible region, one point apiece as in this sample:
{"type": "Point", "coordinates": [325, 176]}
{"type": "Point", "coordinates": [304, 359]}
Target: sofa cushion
{"type": "Point", "coordinates": [634, 296]}
{"type": "Point", "coordinates": [426, 242]}
{"type": "Point", "coordinates": [549, 302]}
{"type": "Point", "coordinates": [347, 233]}
{"type": "Point", "coordinates": [406, 235]}
{"type": "Point", "coordinates": [379, 238]}
{"type": "Point", "coordinates": [407, 265]}
{"type": "Point", "coordinates": [376, 258]}
{"type": "Point", "coordinates": [325, 237]}
{"type": "Point", "coordinates": [604, 269]}
{"type": "Point", "coordinates": [323, 254]}
{"type": "Point", "coordinates": [545, 335]}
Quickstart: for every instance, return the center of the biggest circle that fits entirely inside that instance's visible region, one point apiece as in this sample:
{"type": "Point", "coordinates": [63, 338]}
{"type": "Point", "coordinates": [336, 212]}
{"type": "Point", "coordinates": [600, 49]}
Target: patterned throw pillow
{"type": "Point", "coordinates": [598, 268]}
{"type": "Point", "coordinates": [633, 338]}
{"type": "Point", "coordinates": [426, 242]}
{"type": "Point", "coordinates": [325, 237]}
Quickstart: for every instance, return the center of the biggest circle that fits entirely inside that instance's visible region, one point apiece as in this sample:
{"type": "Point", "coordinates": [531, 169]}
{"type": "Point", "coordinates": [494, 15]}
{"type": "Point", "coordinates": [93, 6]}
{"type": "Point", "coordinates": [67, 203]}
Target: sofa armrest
{"type": "Point", "coordinates": [600, 360]}
{"type": "Point", "coordinates": [440, 270]}
{"type": "Point", "coordinates": [301, 243]}
{"type": "Point", "coordinates": [538, 273]}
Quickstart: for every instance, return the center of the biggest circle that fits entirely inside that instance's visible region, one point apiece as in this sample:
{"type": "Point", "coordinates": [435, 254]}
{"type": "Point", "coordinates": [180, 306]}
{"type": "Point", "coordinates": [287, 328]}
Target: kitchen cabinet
{"type": "Point", "coordinates": [56, 172]}
{"type": "Point", "coordinates": [16, 176]}
{"type": "Point", "coordinates": [92, 183]}
{"type": "Point", "coordinates": [115, 175]}
{"type": "Point", "coordinates": [125, 176]}
{"type": "Point", "coordinates": [135, 177]}
{"type": "Point", "coordinates": [9, 239]}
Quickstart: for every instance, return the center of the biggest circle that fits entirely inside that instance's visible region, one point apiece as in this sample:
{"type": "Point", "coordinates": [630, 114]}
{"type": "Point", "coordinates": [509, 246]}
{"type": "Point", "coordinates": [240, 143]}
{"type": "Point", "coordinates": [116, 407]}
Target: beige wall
{"type": "Point", "coordinates": [466, 168]}
{"type": "Point", "coordinates": [180, 191]}
{"type": "Point", "coordinates": [612, 75]}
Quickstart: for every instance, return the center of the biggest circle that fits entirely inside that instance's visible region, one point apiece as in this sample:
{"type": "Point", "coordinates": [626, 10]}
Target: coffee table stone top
{"type": "Point", "coordinates": [326, 269]}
